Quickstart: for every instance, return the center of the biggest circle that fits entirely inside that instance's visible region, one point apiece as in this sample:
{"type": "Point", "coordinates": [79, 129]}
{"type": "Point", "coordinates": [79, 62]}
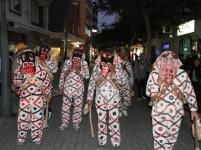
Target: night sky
{"type": "Point", "coordinates": [105, 19]}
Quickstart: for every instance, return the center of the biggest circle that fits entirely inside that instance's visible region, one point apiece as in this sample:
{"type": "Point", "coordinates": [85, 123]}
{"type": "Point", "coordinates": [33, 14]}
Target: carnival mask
{"type": "Point", "coordinates": [76, 61]}
{"type": "Point", "coordinates": [28, 62]}
{"type": "Point", "coordinates": [44, 51]}
{"type": "Point", "coordinates": [106, 63]}
{"type": "Point", "coordinates": [169, 74]}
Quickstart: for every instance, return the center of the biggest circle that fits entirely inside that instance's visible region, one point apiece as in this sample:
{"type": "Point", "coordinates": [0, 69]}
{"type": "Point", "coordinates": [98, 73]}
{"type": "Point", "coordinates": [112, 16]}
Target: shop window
{"type": "Point", "coordinates": [15, 6]}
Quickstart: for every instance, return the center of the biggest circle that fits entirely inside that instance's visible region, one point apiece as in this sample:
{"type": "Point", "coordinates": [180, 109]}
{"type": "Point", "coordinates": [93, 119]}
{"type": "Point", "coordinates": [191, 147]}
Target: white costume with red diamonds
{"type": "Point", "coordinates": [168, 110]}
{"type": "Point", "coordinates": [128, 86]}
{"type": "Point", "coordinates": [73, 90]}
{"type": "Point", "coordinates": [33, 92]}
{"type": "Point", "coordinates": [107, 102]}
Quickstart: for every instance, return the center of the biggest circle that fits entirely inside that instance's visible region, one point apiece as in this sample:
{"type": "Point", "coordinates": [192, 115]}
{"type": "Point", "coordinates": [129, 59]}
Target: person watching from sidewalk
{"type": "Point", "coordinates": [141, 71]}
{"type": "Point", "coordinates": [169, 87]}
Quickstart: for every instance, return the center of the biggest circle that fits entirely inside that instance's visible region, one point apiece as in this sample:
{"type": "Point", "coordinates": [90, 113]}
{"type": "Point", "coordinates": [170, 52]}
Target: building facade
{"type": "Point", "coordinates": [27, 21]}
{"type": "Point", "coordinates": [74, 22]}
{"type": "Point", "coordinates": [181, 39]}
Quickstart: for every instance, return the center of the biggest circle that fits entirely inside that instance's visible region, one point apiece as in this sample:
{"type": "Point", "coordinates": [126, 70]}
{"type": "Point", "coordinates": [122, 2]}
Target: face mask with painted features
{"type": "Point", "coordinates": [28, 63]}
{"type": "Point", "coordinates": [44, 52]}
{"type": "Point", "coordinates": [76, 62]}
{"type": "Point", "coordinates": [106, 63]}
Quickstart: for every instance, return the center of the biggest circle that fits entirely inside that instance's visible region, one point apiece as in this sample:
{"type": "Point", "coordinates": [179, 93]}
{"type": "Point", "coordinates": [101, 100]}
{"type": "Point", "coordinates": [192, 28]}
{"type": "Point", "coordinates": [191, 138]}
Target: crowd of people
{"type": "Point", "coordinates": [111, 87]}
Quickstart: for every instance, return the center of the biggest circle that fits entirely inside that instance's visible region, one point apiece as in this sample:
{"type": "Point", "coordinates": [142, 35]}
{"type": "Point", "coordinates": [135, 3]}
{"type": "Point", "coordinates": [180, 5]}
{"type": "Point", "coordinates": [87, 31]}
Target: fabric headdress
{"type": "Point", "coordinates": [167, 65]}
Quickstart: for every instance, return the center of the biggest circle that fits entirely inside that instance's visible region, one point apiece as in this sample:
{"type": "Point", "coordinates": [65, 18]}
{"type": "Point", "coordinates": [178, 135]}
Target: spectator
{"type": "Point", "coordinates": [141, 70]}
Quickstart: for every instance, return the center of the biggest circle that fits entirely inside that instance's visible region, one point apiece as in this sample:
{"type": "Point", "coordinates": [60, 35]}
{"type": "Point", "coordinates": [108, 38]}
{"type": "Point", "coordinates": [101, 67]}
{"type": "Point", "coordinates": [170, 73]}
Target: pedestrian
{"type": "Point", "coordinates": [71, 85]}
{"type": "Point", "coordinates": [195, 76]}
{"type": "Point", "coordinates": [169, 87]}
{"type": "Point", "coordinates": [141, 71]}
{"type": "Point", "coordinates": [32, 84]}
{"type": "Point", "coordinates": [50, 66]}
{"type": "Point", "coordinates": [106, 79]}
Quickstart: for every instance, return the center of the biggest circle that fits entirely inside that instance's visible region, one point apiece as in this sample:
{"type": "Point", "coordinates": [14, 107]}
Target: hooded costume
{"type": "Point", "coordinates": [107, 83]}
{"type": "Point", "coordinates": [32, 84]}
{"type": "Point", "coordinates": [126, 90]}
{"type": "Point", "coordinates": [71, 83]}
{"type": "Point", "coordinates": [168, 86]}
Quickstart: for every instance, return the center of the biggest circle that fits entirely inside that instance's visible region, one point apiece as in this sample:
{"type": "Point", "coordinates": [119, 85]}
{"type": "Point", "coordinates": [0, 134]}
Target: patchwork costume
{"type": "Point", "coordinates": [48, 64]}
{"type": "Point", "coordinates": [32, 84]}
{"type": "Point", "coordinates": [72, 86]}
{"type": "Point", "coordinates": [127, 88]}
{"type": "Point", "coordinates": [106, 84]}
{"type": "Point", "coordinates": [168, 86]}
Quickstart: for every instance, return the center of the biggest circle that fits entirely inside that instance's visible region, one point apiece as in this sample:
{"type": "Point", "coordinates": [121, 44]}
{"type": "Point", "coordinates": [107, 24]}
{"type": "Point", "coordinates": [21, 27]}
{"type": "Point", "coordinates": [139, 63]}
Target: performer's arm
{"type": "Point", "coordinates": [130, 71]}
{"type": "Point", "coordinates": [152, 88]}
{"type": "Point", "coordinates": [84, 70]}
{"type": "Point", "coordinates": [46, 85]}
{"type": "Point", "coordinates": [66, 68]}
{"type": "Point", "coordinates": [17, 80]}
{"type": "Point", "coordinates": [92, 84]}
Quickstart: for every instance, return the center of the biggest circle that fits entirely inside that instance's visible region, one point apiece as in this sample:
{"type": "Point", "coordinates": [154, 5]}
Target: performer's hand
{"type": "Point", "coordinates": [61, 91]}
{"type": "Point", "coordinates": [90, 102]}
{"type": "Point", "coordinates": [194, 115]}
{"type": "Point", "coordinates": [48, 99]}
{"type": "Point", "coordinates": [112, 69]}
{"type": "Point", "coordinates": [100, 80]}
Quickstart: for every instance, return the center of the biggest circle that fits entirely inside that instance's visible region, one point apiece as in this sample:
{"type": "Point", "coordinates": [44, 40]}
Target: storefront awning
{"type": "Point", "coordinates": [70, 37]}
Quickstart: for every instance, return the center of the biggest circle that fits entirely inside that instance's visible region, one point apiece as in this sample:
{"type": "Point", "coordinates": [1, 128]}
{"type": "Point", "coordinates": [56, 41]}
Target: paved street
{"type": "Point", "coordinates": [135, 130]}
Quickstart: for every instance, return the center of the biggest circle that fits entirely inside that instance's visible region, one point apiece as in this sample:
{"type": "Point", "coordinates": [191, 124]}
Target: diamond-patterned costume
{"type": "Point", "coordinates": [128, 86]}
{"type": "Point", "coordinates": [167, 110]}
{"type": "Point", "coordinates": [71, 82]}
{"type": "Point", "coordinates": [107, 103]}
{"type": "Point", "coordinates": [32, 92]}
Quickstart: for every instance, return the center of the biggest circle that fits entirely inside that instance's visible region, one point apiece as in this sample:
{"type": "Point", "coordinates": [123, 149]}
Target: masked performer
{"type": "Point", "coordinates": [126, 90]}
{"type": "Point", "coordinates": [33, 86]}
{"type": "Point", "coordinates": [71, 85]}
{"type": "Point", "coordinates": [107, 77]}
{"type": "Point", "coordinates": [49, 64]}
{"type": "Point", "coordinates": [169, 87]}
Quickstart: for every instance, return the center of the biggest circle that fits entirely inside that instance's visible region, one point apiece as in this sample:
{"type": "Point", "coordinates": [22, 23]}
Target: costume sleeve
{"type": "Point", "coordinates": [46, 84]}
{"type": "Point", "coordinates": [152, 88]}
{"type": "Point", "coordinates": [53, 66]}
{"type": "Point", "coordinates": [121, 77]}
{"type": "Point", "coordinates": [189, 93]}
{"type": "Point", "coordinates": [66, 68]}
{"type": "Point", "coordinates": [130, 71]}
{"type": "Point", "coordinates": [92, 82]}
{"type": "Point", "coordinates": [85, 70]}
{"type": "Point", "coordinates": [17, 80]}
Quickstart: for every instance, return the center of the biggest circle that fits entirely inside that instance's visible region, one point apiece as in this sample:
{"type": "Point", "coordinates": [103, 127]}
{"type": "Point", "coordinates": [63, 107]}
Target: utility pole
{"type": "Point", "coordinates": [5, 71]}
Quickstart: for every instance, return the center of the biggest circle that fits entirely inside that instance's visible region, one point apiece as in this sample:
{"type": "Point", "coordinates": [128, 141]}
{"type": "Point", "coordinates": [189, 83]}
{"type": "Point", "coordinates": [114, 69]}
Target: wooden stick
{"type": "Point", "coordinates": [197, 145]}
{"type": "Point", "coordinates": [46, 114]}
{"type": "Point", "coordinates": [91, 123]}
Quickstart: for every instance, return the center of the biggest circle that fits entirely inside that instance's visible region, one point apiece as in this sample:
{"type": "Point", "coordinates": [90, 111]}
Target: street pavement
{"type": "Point", "coordinates": [135, 130]}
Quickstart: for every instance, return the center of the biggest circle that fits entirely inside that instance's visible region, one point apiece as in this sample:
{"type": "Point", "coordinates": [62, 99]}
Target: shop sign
{"type": "Point", "coordinates": [186, 28]}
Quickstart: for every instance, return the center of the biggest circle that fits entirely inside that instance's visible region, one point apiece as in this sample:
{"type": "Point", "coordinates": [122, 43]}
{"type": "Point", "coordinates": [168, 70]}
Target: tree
{"type": "Point", "coordinates": [152, 15]}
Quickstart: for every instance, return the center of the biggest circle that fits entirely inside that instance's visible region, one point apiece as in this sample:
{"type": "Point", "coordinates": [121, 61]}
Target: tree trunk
{"type": "Point", "coordinates": [146, 18]}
